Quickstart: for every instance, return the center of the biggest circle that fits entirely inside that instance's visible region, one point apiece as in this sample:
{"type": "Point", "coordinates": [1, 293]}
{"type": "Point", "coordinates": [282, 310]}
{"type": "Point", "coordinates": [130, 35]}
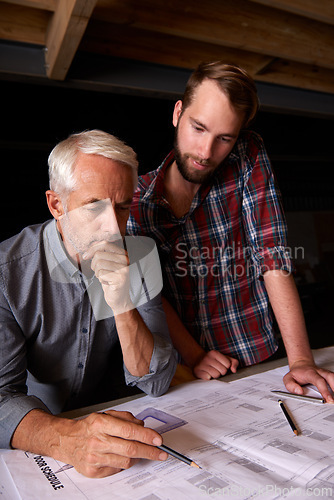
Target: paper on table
{"type": "Point", "coordinates": [8, 489]}
{"type": "Point", "coordinates": [235, 432]}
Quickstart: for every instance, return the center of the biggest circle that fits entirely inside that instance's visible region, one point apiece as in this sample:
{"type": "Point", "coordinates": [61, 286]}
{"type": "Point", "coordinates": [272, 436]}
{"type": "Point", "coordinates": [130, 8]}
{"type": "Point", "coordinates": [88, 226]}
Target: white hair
{"type": "Point", "coordinates": [62, 158]}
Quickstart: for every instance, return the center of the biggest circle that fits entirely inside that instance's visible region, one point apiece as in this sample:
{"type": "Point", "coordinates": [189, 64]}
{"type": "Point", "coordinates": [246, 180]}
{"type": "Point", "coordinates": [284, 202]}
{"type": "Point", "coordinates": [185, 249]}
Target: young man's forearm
{"type": "Point", "coordinates": [284, 299]}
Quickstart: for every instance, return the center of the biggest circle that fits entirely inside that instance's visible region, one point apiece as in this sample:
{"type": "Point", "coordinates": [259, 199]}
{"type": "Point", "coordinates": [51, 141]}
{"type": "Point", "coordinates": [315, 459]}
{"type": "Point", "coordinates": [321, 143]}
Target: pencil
{"type": "Point", "coordinates": [171, 452]}
{"type": "Point", "coordinates": [178, 455]}
{"type": "Point", "coordinates": [287, 416]}
{"type": "Point", "coordinates": [302, 397]}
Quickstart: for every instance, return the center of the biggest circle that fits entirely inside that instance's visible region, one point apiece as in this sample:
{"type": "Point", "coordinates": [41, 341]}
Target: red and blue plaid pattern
{"type": "Point", "coordinates": [214, 257]}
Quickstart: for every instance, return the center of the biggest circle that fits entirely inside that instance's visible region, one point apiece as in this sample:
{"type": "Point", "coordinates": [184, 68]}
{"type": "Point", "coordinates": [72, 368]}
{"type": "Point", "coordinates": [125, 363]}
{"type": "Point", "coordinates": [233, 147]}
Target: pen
{"type": "Point", "coordinates": [178, 455]}
{"type": "Point", "coordinates": [310, 399]}
{"type": "Point", "coordinates": [287, 416]}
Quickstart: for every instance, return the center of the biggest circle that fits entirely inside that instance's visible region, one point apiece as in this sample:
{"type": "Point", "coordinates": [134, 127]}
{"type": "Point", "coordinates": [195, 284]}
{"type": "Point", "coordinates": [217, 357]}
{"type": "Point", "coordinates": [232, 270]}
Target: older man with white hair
{"type": "Point", "coordinates": [80, 315]}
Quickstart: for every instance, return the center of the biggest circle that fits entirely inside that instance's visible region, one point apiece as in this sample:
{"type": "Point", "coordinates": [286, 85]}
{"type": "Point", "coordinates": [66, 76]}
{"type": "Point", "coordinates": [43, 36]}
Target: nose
{"type": "Point", "coordinates": [205, 147]}
{"type": "Point", "coordinates": [109, 221]}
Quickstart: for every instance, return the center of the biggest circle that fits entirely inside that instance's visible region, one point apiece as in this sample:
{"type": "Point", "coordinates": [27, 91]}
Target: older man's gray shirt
{"type": "Point", "coordinates": [56, 353]}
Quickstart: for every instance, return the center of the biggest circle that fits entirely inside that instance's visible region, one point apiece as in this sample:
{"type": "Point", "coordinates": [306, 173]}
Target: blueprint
{"type": "Point", "coordinates": [235, 431]}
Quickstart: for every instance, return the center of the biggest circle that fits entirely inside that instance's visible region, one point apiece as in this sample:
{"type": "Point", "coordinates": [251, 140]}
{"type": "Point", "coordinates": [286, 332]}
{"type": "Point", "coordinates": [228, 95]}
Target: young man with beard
{"type": "Point", "coordinates": [81, 316]}
{"type": "Point", "coordinates": [214, 210]}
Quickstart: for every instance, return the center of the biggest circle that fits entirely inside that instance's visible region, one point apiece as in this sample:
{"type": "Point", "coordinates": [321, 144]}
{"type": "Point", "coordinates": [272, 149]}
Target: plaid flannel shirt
{"type": "Point", "coordinates": [214, 257]}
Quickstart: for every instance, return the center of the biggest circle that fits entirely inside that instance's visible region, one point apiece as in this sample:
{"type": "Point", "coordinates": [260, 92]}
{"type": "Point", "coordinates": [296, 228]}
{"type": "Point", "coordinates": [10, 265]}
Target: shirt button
{"type": "Point", "coordinates": [84, 330]}
{"type": "Point", "coordinates": [80, 365]}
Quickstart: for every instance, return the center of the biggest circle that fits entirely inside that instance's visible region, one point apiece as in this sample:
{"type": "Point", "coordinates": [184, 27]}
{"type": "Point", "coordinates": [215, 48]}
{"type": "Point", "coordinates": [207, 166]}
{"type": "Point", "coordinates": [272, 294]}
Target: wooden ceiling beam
{"type": "Point", "coordinates": [133, 43]}
{"type": "Point", "coordinates": [297, 75]}
{"type": "Point", "coordinates": [238, 24]}
{"type": "Point", "coordinates": [22, 24]}
{"type": "Point", "coordinates": [64, 34]}
{"type": "Point", "coordinates": [286, 42]}
{"type": "Point", "coordinates": [322, 10]}
{"type": "Point", "coordinates": [38, 4]}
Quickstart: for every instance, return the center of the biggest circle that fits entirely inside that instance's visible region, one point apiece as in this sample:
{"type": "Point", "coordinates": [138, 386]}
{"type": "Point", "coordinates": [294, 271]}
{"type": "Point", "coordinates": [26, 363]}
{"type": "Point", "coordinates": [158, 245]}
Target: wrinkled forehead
{"type": "Point", "coordinates": [96, 168]}
{"type": "Point", "coordinates": [98, 174]}
{"type": "Point", "coordinates": [101, 181]}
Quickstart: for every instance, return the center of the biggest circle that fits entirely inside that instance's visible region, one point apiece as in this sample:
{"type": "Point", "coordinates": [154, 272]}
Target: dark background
{"type": "Point", "coordinates": [34, 118]}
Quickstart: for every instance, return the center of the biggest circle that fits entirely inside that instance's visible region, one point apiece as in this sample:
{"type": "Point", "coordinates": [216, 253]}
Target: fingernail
{"type": "Point", "coordinates": [163, 456]}
{"type": "Point", "coordinates": [157, 441]}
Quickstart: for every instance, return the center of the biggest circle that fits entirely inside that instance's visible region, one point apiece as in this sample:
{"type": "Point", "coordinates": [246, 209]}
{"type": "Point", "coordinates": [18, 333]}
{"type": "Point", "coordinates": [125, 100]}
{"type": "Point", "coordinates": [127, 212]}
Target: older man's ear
{"type": "Point", "coordinates": [55, 204]}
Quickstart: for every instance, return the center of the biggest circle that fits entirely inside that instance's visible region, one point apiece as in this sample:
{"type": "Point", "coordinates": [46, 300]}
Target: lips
{"type": "Point", "coordinates": [200, 165]}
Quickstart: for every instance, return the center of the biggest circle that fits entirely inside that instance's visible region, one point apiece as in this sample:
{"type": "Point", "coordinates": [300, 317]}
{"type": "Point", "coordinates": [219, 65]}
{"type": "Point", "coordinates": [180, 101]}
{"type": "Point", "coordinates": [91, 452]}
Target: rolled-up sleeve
{"type": "Point", "coordinates": [263, 215]}
{"type": "Point", "coordinates": [164, 358]}
{"type": "Point", "coordinates": [270, 259]}
{"type": "Point", "coordinates": [13, 408]}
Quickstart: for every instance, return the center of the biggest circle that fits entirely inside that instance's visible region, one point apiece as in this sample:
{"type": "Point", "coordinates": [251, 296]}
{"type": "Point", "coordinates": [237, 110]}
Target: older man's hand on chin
{"type": "Point", "coordinates": [110, 263]}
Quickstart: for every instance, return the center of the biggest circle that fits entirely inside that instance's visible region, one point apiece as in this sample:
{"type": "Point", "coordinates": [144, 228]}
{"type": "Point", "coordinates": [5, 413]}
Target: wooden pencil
{"type": "Point", "coordinates": [287, 416]}
{"type": "Point", "coordinates": [178, 455]}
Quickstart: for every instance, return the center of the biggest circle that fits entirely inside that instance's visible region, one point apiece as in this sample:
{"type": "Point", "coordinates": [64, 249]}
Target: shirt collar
{"type": "Point", "coordinates": [56, 254]}
{"type": "Point", "coordinates": [155, 191]}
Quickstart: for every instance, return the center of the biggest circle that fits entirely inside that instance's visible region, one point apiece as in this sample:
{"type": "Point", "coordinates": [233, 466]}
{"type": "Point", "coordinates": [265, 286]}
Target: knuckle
{"type": "Point", "coordinates": [95, 420]}
{"type": "Point", "coordinates": [127, 415]}
{"type": "Point", "coordinates": [90, 472]}
{"type": "Point", "coordinates": [98, 472]}
{"type": "Point", "coordinates": [90, 460]}
{"type": "Point", "coordinates": [127, 463]}
{"type": "Point", "coordinates": [126, 430]}
{"type": "Point", "coordinates": [131, 449]}
{"type": "Point", "coordinates": [92, 446]}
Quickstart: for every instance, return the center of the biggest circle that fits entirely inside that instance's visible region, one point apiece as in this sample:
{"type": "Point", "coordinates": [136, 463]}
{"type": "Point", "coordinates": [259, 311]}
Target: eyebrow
{"type": "Point", "coordinates": [200, 124]}
{"type": "Point", "coordinates": [125, 202]}
{"type": "Point", "coordinates": [96, 200]}
{"type": "Point", "coordinates": [91, 200]}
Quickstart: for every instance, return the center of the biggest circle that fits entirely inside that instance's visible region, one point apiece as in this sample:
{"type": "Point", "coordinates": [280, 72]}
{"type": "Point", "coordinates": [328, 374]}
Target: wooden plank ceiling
{"type": "Point", "coordinates": [286, 42]}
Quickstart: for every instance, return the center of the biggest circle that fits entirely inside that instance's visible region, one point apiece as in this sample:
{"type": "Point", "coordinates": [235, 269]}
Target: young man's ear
{"type": "Point", "coordinates": [55, 204]}
{"type": "Point", "coordinates": [177, 112]}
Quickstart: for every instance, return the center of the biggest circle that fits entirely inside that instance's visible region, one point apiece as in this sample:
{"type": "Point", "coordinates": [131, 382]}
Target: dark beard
{"type": "Point", "coordinates": [195, 177]}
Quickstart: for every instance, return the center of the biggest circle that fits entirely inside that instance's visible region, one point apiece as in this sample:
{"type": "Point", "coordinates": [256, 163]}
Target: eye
{"type": "Point", "coordinates": [123, 208]}
{"type": "Point", "coordinates": [198, 128]}
{"type": "Point", "coordinates": [225, 139]}
{"type": "Point", "coordinates": [94, 207]}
